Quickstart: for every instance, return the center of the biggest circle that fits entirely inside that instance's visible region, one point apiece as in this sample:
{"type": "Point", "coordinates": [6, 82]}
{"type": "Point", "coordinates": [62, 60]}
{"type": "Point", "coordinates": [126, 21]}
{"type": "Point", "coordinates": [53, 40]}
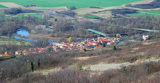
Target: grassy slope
{"type": "Point", "coordinates": [69, 3]}
{"type": "Point", "coordinates": [148, 13]}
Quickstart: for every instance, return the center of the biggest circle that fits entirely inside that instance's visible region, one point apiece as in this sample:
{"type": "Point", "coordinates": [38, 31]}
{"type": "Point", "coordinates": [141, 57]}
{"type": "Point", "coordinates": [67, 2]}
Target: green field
{"type": "Point", "coordinates": [20, 16]}
{"type": "Point", "coordinates": [70, 3]}
{"type": "Point", "coordinates": [147, 13]}
{"type": "Point", "coordinates": [6, 41]}
{"type": "Point", "coordinates": [1, 6]}
{"type": "Point", "coordinates": [94, 17]}
{"type": "Point", "coordinates": [36, 15]}
{"type": "Point", "coordinates": [39, 16]}
{"type": "Point", "coordinates": [3, 17]}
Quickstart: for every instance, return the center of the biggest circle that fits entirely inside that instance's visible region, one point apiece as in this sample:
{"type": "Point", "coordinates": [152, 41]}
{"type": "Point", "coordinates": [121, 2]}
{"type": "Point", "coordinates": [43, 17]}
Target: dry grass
{"type": "Point", "coordinates": [84, 58]}
{"type": "Point", "coordinates": [47, 71]}
{"type": "Point", "coordinates": [71, 60]}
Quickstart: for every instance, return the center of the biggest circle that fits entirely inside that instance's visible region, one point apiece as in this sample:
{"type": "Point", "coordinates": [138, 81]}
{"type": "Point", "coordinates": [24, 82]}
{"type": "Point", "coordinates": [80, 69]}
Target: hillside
{"type": "Point", "coordinates": [79, 41]}
{"type": "Point", "coordinates": [91, 65]}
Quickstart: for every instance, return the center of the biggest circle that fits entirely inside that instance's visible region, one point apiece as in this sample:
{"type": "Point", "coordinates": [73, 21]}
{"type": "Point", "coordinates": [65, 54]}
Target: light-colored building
{"type": "Point", "coordinates": [145, 37]}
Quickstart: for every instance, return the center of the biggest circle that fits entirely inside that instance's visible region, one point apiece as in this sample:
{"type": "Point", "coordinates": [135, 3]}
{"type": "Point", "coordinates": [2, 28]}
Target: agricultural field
{"type": "Point", "coordinates": [36, 15]}
{"type": "Point", "coordinates": [10, 5]}
{"type": "Point", "coordinates": [70, 3]}
{"type": "Point", "coordinates": [4, 16]}
{"type": "Point", "coordinates": [6, 41]}
{"type": "Point", "coordinates": [1, 6]}
{"type": "Point", "coordinates": [20, 16]}
{"type": "Point", "coordinates": [147, 13]}
{"type": "Point", "coordinates": [94, 17]}
{"type": "Point", "coordinates": [39, 16]}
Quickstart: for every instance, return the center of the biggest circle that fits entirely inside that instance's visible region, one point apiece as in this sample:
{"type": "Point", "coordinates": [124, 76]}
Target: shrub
{"type": "Point", "coordinates": [84, 50]}
{"type": "Point", "coordinates": [114, 48]}
{"type": "Point", "coordinates": [16, 67]}
{"type": "Point", "coordinates": [80, 67]}
{"type": "Point", "coordinates": [104, 45]}
{"type": "Point", "coordinates": [65, 76]}
{"type": "Point", "coordinates": [68, 76]}
{"type": "Point", "coordinates": [73, 8]}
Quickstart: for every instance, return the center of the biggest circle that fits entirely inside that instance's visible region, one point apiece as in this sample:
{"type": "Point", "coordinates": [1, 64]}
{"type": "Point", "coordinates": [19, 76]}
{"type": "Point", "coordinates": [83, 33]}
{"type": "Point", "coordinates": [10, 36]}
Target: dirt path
{"type": "Point", "coordinates": [103, 67]}
{"type": "Point", "coordinates": [84, 58]}
{"type": "Point", "coordinates": [47, 71]}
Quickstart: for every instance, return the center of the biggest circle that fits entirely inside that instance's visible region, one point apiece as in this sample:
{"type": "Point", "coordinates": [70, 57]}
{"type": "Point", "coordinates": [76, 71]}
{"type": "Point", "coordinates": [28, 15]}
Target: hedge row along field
{"type": "Point", "coordinates": [147, 13]}
{"type": "Point", "coordinates": [70, 3]}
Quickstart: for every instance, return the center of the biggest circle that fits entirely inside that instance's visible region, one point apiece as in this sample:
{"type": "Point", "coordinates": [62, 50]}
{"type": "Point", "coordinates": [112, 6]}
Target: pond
{"type": "Point", "coordinates": [22, 32]}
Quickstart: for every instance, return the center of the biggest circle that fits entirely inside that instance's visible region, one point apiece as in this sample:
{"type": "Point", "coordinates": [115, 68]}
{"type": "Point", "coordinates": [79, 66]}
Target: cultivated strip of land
{"type": "Point", "coordinates": [142, 2]}
{"type": "Point", "coordinates": [11, 5]}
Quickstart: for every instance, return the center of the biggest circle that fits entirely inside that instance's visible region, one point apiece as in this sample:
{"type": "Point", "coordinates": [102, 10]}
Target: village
{"type": "Point", "coordinates": [73, 45]}
{"type": "Point", "coordinates": [85, 44]}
